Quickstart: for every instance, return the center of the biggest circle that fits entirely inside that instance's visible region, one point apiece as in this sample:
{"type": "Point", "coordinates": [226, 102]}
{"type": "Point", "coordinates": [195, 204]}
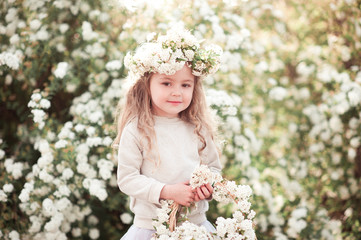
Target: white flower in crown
{"type": "Point", "coordinates": [168, 53]}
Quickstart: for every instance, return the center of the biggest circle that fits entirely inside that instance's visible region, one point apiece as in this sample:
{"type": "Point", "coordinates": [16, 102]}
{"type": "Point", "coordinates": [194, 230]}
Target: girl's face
{"type": "Point", "coordinates": [171, 94]}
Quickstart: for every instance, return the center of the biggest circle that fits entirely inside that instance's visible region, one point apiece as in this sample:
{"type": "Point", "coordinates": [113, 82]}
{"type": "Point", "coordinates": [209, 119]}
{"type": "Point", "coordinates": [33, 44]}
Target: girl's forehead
{"type": "Point", "coordinates": [185, 73]}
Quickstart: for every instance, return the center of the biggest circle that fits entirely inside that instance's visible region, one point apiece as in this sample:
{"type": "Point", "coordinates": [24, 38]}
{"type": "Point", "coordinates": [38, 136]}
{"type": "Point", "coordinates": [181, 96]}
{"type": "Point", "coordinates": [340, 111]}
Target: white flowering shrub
{"type": "Point", "coordinates": [287, 97]}
{"type": "Point", "coordinates": [59, 95]}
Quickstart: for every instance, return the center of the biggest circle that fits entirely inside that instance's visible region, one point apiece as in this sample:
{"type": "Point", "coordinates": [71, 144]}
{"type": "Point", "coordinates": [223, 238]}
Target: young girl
{"type": "Point", "coordinates": [164, 129]}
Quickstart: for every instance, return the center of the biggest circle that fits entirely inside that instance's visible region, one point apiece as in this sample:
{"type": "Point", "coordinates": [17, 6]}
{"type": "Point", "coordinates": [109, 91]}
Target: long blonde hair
{"type": "Point", "coordinates": [138, 105]}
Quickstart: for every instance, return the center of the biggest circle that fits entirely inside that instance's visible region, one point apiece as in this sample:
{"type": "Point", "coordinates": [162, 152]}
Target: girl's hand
{"type": "Point", "coordinates": [203, 192]}
{"type": "Point", "coordinates": [181, 193]}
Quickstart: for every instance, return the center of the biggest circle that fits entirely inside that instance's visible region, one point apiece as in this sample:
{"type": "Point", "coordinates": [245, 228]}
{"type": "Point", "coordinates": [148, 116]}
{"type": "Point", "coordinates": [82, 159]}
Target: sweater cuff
{"type": "Point", "coordinates": [155, 193]}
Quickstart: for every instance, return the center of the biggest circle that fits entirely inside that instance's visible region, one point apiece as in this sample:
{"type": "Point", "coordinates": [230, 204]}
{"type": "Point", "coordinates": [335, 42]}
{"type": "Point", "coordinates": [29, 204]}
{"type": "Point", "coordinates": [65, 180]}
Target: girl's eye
{"type": "Point", "coordinates": [186, 85]}
{"type": "Point", "coordinates": [167, 84]}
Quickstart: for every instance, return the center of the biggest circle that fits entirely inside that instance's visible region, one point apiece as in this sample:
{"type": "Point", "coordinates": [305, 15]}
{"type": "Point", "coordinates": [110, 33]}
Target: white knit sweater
{"type": "Point", "coordinates": [178, 150]}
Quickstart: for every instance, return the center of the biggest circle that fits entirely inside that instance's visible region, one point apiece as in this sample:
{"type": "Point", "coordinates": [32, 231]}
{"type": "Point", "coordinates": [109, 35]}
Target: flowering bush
{"type": "Point", "coordinates": [287, 95]}
{"type": "Point", "coordinates": [54, 68]}
{"type": "Point", "coordinates": [238, 227]}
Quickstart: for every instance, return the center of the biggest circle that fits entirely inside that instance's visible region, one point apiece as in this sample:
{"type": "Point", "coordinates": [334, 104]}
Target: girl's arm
{"type": "Point", "coordinates": [210, 155]}
{"type": "Point", "coordinates": [129, 178]}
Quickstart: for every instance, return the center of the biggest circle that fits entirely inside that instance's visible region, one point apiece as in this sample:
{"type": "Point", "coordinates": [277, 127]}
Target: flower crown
{"type": "Point", "coordinates": [168, 53]}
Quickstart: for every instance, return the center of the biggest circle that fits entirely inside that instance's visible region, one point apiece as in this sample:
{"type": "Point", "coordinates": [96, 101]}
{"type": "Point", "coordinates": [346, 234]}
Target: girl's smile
{"type": "Point", "coordinates": [175, 102]}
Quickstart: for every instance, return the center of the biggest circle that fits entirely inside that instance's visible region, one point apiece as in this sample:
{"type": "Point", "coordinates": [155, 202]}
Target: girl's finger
{"type": "Point", "coordinates": [209, 187]}
{"type": "Point", "coordinates": [196, 198]}
{"type": "Point", "coordinates": [205, 191]}
{"type": "Point", "coordinates": [200, 194]}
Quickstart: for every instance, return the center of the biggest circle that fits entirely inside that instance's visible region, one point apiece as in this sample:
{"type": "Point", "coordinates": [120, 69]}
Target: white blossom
{"type": "Point", "coordinates": [61, 70]}
{"type": "Point", "coordinates": [278, 93]}
{"type": "Point", "coordinates": [61, 144]}
{"type": "Point", "coordinates": [201, 176]}
{"type": "Point", "coordinates": [62, 190]}
{"type": "Point", "coordinates": [14, 235]}
{"type": "Point", "coordinates": [14, 39]}
{"type": "Point", "coordinates": [44, 103]}
{"type": "Point", "coordinates": [8, 188]}
{"type": "Point", "coordinates": [105, 168]}
{"type": "Point", "coordinates": [54, 223]}
{"type": "Point", "coordinates": [24, 195]}
{"type": "Point", "coordinates": [35, 24]}
{"type": "Point", "coordinates": [63, 27]}
{"type": "Point", "coordinates": [45, 176]}
{"type": "Point", "coordinates": [42, 34]}
{"type": "Point", "coordinates": [76, 232]}
{"type": "Point", "coordinates": [48, 207]}
{"type": "Point", "coordinates": [9, 59]}
{"type": "Point", "coordinates": [87, 31]}
{"type": "Point", "coordinates": [38, 115]}
{"type": "Point", "coordinates": [126, 218]}
{"type": "Point", "coordinates": [113, 65]}
{"type": "Point", "coordinates": [36, 223]}
{"type": "Point", "coordinates": [336, 124]}
{"type": "Point", "coordinates": [67, 173]}
{"type": "Point", "coordinates": [15, 169]}
{"type": "Point", "coordinates": [62, 203]}
{"type": "Point", "coordinates": [96, 188]}
{"type": "Point", "coordinates": [3, 196]}
{"type": "Point", "coordinates": [94, 233]}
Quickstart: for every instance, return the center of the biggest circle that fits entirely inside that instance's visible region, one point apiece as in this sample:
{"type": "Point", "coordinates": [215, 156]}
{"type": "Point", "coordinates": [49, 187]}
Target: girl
{"type": "Point", "coordinates": [164, 129]}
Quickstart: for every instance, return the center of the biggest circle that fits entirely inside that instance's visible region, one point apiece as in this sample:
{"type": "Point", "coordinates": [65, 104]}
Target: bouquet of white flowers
{"type": "Point", "coordinates": [240, 226]}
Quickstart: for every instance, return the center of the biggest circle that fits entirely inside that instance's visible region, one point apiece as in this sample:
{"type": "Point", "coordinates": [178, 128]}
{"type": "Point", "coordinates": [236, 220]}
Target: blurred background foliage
{"type": "Point", "coordinates": [287, 96]}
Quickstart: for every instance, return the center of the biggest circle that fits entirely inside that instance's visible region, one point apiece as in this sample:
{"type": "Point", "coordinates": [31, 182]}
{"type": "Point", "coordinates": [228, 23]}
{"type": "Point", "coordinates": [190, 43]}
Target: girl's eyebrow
{"type": "Point", "coordinates": [166, 78]}
{"type": "Point", "coordinates": [189, 80]}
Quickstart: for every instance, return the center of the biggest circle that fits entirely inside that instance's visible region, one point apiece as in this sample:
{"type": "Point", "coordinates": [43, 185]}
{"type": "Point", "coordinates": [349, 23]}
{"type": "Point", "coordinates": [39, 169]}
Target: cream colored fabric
{"type": "Point", "coordinates": [178, 152]}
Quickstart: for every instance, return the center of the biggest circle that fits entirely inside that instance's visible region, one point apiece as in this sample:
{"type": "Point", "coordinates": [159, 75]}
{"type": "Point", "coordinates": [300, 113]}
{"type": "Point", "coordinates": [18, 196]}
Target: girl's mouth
{"type": "Point", "coordinates": [174, 102]}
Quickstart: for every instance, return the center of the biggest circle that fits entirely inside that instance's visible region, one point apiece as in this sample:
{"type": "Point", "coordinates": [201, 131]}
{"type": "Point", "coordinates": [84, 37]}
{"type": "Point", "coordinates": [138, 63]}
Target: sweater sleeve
{"type": "Point", "coordinates": [129, 177]}
{"type": "Point", "coordinates": [210, 155]}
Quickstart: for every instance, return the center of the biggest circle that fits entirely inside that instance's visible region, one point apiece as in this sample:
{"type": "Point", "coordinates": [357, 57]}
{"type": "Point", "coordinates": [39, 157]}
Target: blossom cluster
{"type": "Point", "coordinates": [9, 59]}
{"type": "Point", "coordinates": [53, 216]}
{"type": "Point", "coordinates": [240, 226]}
{"type": "Point", "coordinates": [61, 69]}
{"type": "Point", "coordinates": [203, 175]}
{"type": "Point", "coordinates": [14, 169]}
{"type": "Point", "coordinates": [38, 103]}
{"type": "Point", "coordinates": [168, 53]}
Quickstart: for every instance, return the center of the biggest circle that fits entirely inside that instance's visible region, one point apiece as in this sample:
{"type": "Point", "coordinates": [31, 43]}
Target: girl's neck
{"type": "Point", "coordinates": [163, 119]}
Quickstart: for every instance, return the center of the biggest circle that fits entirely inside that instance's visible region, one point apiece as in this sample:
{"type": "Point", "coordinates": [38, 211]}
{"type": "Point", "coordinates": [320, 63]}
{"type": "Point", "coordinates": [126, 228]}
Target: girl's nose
{"type": "Point", "coordinates": [176, 92]}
